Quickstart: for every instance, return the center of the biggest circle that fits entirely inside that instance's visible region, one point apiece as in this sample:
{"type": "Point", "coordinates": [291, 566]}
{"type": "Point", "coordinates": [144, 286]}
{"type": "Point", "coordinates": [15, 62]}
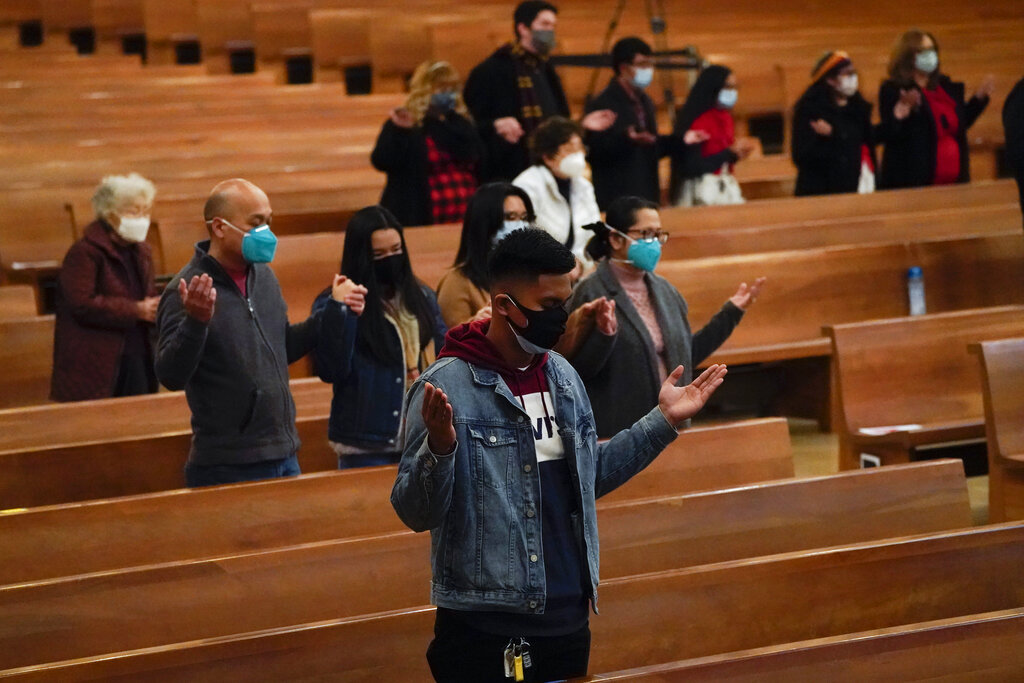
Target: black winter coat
{"type": "Point", "coordinates": [910, 145]}
{"type": "Point", "coordinates": [830, 164]}
{"type": "Point", "coordinates": [491, 93]}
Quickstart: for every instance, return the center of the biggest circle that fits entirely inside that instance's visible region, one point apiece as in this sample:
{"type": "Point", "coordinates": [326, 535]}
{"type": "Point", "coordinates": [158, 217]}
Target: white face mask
{"type": "Point", "coordinates": [133, 229]}
{"type": "Point", "coordinates": [848, 85]}
{"type": "Point", "coordinates": [727, 98]}
{"type": "Point", "coordinates": [573, 165]}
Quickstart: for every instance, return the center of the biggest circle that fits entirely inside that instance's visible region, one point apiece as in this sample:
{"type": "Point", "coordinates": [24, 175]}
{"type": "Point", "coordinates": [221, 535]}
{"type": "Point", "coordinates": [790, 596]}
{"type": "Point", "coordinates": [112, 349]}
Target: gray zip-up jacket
{"type": "Point", "coordinates": [234, 369]}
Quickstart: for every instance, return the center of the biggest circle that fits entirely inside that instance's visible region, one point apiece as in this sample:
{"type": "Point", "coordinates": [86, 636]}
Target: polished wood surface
{"type": "Point", "coordinates": [1002, 377]}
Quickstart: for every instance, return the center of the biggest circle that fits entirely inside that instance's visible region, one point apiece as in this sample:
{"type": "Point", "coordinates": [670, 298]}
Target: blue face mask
{"type": "Point", "coordinates": [643, 76]}
{"type": "Point", "coordinates": [507, 228]}
{"type": "Point", "coordinates": [926, 61]}
{"type": "Point", "coordinates": [443, 101]}
{"type": "Point", "coordinates": [727, 98]}
{"type": "Point", "coordinates": [644, 254]}
{"type": "Point", "coordinates": [258, 245]}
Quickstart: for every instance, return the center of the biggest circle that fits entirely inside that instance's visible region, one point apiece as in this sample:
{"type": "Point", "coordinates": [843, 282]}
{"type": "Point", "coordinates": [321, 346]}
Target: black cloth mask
{"type": "Point", "coordinates": [543, 328]}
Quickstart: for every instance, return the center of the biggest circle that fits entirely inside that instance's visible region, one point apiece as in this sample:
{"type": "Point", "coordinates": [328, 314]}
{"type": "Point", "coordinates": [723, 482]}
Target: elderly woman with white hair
{"type": "Point", "coordinates": [107, 299]}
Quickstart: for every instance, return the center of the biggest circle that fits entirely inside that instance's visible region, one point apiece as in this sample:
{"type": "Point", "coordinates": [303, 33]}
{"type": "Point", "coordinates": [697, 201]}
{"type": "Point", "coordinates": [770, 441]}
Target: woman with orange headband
{"type": "Point", "coordinates": [833, 139]}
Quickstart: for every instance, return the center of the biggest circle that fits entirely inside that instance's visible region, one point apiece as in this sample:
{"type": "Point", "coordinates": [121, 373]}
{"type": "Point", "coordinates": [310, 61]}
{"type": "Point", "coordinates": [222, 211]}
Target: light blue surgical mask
{"type": "Point", "coordinates": [926, 61]}
{"type": "Point", "coordinates": [644, 254]}
{"type": "Point", "coordinates": [507, 228]}
{"type": "Point", "coordinates": [443, 101]}
{"type": "Point", "coordinates": [258, 245]}
{"type": "Point", "coordinates": [642, 76]}
{"type": "Point", "coordinates": [727, 98]}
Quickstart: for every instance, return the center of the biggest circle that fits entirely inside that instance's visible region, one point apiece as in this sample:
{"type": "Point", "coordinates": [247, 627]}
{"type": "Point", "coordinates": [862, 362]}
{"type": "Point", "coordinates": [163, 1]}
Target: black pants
{"type": "Point", "coordinates": [460, 653]}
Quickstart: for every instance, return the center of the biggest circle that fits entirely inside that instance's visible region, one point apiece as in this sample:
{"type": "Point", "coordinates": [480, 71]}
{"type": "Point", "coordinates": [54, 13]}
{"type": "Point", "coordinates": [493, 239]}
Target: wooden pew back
{"type": "Point", "coordinates": [1002, 377]}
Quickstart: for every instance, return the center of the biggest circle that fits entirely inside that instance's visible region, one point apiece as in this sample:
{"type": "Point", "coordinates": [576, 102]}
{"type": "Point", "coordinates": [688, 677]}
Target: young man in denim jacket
{"type": "Point", "coordinates": [502, 465]}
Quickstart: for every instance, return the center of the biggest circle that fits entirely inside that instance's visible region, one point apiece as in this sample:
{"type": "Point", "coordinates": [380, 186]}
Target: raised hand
{"type": "Point", "coordinates": [679, 404]}
{"type": "Point", "coordinates": [349, 293]}
{"type": "Point", "coordinates": [695, 137]}
{"type": "Point", "coordinates": [198, 297]}
{"type": "Point", "coordinates": [747, 295]}
{"type": "Point", "coordinates": [822, 127]}
{"type": "Point", "coordinates": [437, 416]}
{"type": "Point", "coordinates": [599, 120]}
{"type": "Point", "coordinates": [402, 117]}
{"type": "Point", "coordinates": [509, 129]}
{"type": "Point", "coordinates": [146, 309]}
{"type": "Point", "coordinates": [987, 87]}
{"type": "Point", "coordinates": [603, 312]}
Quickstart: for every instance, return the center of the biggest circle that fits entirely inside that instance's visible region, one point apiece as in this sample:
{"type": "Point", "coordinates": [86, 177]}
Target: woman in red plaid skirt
{"type": "Point", "coordinates": [430, 150]}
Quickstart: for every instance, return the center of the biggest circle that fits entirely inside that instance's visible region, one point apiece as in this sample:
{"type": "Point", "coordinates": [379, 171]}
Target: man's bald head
{"type": "Point", "coordinates": [233, 198]}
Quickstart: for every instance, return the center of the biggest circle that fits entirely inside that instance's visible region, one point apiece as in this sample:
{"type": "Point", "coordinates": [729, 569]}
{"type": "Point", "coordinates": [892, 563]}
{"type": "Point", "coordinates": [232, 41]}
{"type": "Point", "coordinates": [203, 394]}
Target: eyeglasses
{"type": "Point", "coordinates": [648, 235]}
{"type": "Point", "coordinates": [513, 216]}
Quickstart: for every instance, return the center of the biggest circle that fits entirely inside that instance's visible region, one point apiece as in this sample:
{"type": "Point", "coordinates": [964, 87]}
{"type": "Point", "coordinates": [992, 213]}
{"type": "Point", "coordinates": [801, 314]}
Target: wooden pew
{"type": "Point", "coordinates": [960, 649]}
{"type": "Point", "coordinates": [103, 535]}
{"type": "Point", "coordinates": [1002, 378]}
{"type": "Point", "coordinates": [27, 352]}
{"type": "Point", "coordinates": [60, 453]}
{"type": "Point", "coordinates": [288, 585]}
{"type": "Point", "coordinates": [17, 301]}
{"type": "Point", "coordinates": [911, 371]}
{"type": "Point", "coordinates": [654, 618]}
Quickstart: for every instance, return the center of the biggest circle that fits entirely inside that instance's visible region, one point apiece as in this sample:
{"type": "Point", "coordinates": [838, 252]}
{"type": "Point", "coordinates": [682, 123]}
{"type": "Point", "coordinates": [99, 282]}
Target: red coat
{"type": "Point", "coordinates": [95, 309]}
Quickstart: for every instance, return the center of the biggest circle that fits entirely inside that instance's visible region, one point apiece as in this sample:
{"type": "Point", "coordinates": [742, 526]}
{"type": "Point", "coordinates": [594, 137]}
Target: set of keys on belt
{"type": "Point", "coordinates": [517, 659]}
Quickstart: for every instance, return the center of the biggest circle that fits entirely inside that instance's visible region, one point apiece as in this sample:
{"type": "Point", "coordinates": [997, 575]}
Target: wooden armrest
{"type": "Point", "coordinates": [807, 348]}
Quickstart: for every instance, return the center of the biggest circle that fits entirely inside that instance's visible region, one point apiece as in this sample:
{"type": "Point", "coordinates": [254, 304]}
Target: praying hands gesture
{"type": "Point", "coordinates": [349, 293]}
{"type": "Point", "coordinates": [679, 404]}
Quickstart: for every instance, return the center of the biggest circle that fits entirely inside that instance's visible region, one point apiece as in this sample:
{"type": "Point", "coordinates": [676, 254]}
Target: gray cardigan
{"type": "Point", "coordinates": [234, 369]}
{"type": "Point", "coordinates": [621, 371]}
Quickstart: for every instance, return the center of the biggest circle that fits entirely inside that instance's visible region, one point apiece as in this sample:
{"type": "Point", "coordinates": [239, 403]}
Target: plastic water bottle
{"type": "Point", "coordinates": [915, 291]}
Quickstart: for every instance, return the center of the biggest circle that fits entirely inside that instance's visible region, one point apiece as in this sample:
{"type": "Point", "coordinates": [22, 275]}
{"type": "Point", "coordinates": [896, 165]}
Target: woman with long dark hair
{"type": "Point", "coordinates": [708, 112]}
{"type": "Point", "coordinates": [928, 147]}
{"type": "Point", "coordinates": [622, 371]}
{"type": "Point", "coordinates": [494, 211]}
{"type": "Point", "coordinates": [375, 356]}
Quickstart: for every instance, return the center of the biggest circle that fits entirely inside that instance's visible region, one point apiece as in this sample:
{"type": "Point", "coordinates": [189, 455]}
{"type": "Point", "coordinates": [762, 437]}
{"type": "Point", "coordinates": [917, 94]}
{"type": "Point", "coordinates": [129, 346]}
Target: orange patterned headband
{"type": "Point", "coordinates": [829, 64]}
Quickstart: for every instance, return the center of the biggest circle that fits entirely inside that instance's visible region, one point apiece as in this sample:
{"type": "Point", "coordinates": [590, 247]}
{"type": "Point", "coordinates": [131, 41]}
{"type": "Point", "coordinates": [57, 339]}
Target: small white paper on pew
{"type": "Point", "coordinates": [889, 429]}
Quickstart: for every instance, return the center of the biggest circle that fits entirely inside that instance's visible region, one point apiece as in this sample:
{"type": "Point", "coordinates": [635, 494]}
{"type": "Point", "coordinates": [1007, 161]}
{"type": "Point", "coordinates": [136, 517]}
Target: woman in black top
{"type": "Point", "coordinates": [833, 140]}
{"type": "Point", "coordinates": [930, 146]}
{"type": "Point", "coordinates": [429, 150]}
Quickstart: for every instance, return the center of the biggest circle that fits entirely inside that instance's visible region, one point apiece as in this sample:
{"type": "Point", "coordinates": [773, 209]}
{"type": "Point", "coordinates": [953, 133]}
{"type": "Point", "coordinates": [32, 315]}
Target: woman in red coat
{"type": "Point", "coordinates": [107, 299]}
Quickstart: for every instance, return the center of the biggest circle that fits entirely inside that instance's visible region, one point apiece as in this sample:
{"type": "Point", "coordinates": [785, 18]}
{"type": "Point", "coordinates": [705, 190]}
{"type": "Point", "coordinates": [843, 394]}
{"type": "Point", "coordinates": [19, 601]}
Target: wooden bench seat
{"type": "Point", "coordinates": [655, 618]}
{"type": "Point", "coordinates": [912, 379]}
{"type": "Point", "coordinates": [102, 535]}
{"type": "Point", "coordinates": [305, 583]}
{"type": "Point", "coordinates": [1002, 380]}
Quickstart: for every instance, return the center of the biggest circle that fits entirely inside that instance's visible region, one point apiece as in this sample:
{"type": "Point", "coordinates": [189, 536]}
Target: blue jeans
{"type": "Point", "coordinates": [353, 460]}
{"type": "Point", "coordinates": [212, 475]}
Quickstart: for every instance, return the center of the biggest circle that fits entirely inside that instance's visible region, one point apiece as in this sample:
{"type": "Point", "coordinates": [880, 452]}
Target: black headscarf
{"type": "Point", "coordinates": [703, 96]}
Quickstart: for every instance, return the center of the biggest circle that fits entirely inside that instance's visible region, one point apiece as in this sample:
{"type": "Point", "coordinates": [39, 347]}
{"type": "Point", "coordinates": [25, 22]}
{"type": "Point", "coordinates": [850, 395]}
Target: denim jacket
{"type": "Point", "coordinates": [481, 503]}
{"type": "Point", "coordinates": [366, 409]}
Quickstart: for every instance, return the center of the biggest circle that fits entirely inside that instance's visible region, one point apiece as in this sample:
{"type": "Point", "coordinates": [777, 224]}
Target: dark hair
{"type": "Point", "coordinates": [485, 214]}
{"type": "Point", "coordinates": [626, 50]}
{"type": "Point", "coordinates": [621, 216]}
{"type": "Point", "coordinates": [703, 96]}
{"type": "Point", "coordinates": [357, 265]}
{"type": "Point", "coordinates": [527, 11]}
{"type": "Point", "coordinates": [549, 136]}
{"type": "Point", "coordinates": [901, 60]}
{"type": "Point", "coordinates": [526, 255]}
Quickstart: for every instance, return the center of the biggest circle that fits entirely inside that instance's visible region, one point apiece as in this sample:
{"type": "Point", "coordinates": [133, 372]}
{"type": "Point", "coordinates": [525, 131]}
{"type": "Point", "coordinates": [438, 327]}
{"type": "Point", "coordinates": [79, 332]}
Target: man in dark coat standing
{"type": "Point", "coordinates": [1013, 126]}
{"type": "Point", "coordinates": [514, 90]}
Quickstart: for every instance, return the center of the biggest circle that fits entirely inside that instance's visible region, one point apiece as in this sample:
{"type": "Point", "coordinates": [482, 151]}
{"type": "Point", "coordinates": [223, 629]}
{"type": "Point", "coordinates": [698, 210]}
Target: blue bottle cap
{"type": "Point", "coordinates": [915, 272]}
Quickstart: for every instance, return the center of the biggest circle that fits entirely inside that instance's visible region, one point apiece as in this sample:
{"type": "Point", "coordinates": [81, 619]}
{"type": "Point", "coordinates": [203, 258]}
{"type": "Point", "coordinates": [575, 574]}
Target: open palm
{"type": "Point", "coordinates": [679, 404]}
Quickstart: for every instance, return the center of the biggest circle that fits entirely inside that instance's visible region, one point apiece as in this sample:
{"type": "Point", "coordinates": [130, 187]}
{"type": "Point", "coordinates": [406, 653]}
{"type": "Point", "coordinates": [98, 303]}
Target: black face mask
{"type": "Point", "coordinates": [389, 269]}
{"type": "Point", "coordinates": [543, 330]}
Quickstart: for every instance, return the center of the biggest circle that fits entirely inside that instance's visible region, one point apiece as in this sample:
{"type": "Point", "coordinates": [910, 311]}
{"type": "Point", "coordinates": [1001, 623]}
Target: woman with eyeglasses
{"type": "Point", "coordinates": [495, 211]}
{"type": "Point", "coordinates": [380, 344]}
{"type": "Point", "coordinates": [623, 371]}
{"type": "Point", "coordinates": [928, 147]}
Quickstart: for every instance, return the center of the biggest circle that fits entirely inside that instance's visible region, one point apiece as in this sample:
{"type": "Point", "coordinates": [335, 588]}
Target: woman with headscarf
{"type": "Point", "coordinates": [928, 147]}
{"type": "Point", "coordinates": [833, 138]}
{"type": "Point", "coordinates": [430, 150]}
{"type": "Point", "coordinates": [708, 111]}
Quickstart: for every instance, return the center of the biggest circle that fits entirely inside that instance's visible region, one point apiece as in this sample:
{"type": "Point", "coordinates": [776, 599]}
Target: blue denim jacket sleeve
{"type": "Point", "coordinates": [332, 356]}
{"type": "Point", "coordinates": [422, 492]}
{"type": "Point", "coordinates": [631, 450]}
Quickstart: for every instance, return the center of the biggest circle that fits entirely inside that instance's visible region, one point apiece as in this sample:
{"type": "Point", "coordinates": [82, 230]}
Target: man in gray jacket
{"type": "Point", "coordinates": [225, 339]}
